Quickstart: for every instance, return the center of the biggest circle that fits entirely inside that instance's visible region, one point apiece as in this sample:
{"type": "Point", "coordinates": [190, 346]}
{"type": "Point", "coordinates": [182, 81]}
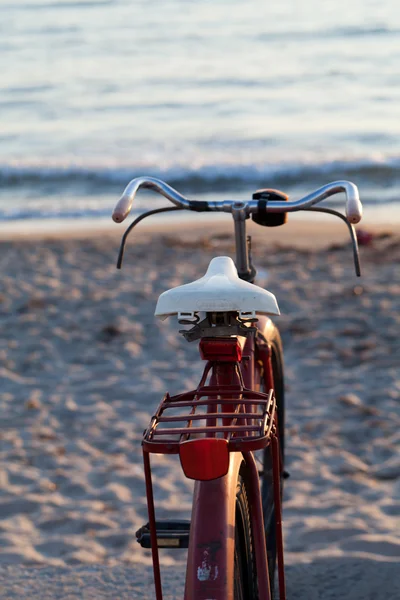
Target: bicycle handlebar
{"type": "Point", "coordinates": [353, 203]}
{"type": "Point", "coordinates": [123, 208]}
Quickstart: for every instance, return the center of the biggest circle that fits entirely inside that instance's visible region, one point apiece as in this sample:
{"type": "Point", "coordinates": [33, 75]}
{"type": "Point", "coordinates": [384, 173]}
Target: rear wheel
{"type": "Point", "coordinates": [266, 480]}
{"type": "Point", "coordinates": [245, 578]}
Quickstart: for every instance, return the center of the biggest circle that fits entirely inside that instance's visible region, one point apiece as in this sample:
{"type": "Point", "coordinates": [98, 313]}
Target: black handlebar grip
{"type": "Point", "coordinates": [262, 217]}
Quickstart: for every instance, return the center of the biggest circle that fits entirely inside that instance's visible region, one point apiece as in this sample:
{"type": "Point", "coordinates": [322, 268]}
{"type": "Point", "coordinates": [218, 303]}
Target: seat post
{"type": "Point", "coordinates": [245, 269]}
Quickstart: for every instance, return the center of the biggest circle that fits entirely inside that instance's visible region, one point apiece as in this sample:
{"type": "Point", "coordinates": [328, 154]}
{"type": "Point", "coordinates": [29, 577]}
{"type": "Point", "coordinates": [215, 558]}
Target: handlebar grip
{"type": "Point", "coordinates": [354, 208]}
{"type": "Point", "coordinates": [122, 210]}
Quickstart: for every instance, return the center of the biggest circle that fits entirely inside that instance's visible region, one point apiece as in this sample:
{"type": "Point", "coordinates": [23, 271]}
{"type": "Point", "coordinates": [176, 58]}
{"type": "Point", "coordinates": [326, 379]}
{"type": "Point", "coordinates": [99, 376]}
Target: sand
{"type": "Point", "coordinates": [83, 364]}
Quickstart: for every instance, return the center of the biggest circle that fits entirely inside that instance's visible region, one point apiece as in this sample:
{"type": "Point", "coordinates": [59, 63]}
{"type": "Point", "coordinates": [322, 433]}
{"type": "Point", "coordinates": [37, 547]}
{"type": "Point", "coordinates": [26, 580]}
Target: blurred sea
{"type": "Point", "coordinates": [214, 96]}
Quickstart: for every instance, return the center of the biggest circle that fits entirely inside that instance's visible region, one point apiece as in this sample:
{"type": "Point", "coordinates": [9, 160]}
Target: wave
{"type": "Point", "coordinates": [23, 214]}
{"type": "Point", "coordinates": [71, 192]}
{"type": "Point", "coordinates": [330, 33]}
{"type": "Point", "coordinates": [207, 178]}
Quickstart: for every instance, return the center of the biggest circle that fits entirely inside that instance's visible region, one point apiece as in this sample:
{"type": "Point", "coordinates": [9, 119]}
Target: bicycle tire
{"type": "Point", "coordinates": [245, 575]}
{"type": "Point", "coordinates": [274, 339]}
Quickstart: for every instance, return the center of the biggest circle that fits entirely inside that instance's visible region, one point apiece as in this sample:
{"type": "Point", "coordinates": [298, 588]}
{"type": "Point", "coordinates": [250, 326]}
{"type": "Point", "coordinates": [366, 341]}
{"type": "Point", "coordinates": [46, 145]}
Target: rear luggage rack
{"type": "Point", "coordinates": [203, 426]}
{"type": "Point", "coordinates": [245, 419]}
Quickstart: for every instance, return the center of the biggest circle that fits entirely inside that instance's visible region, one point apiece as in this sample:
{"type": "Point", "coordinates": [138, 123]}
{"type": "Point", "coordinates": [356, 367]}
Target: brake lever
{"type": "Point", "coordinates": [352, 231]}
{"type": "Point", "coordinates": [134, 223]}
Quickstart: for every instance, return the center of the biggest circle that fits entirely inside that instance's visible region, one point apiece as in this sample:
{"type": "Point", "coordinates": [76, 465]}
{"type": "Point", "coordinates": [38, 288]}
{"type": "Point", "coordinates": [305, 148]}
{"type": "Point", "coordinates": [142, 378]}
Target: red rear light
{"type": "Point", "coordinates": [221, 349]}
{"type": "Point", "coordinates": [204, 459]}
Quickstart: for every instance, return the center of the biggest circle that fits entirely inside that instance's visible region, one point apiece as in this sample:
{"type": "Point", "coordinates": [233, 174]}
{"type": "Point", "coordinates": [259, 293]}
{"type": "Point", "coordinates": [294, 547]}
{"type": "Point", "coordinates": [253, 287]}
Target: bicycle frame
{"type": "Point", "coordinates": [211, 543]}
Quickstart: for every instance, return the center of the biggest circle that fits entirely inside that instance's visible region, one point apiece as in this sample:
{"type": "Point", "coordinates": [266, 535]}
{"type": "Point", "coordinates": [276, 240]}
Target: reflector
{"type": "Point", "coordinates": [204, 459]}
{"type": "Point", "coordinates": [221, 349]}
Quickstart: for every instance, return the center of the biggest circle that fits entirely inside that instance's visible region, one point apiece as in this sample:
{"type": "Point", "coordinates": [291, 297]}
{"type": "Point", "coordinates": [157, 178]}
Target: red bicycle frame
{"type": "Point", "coordinates": [213, 454]}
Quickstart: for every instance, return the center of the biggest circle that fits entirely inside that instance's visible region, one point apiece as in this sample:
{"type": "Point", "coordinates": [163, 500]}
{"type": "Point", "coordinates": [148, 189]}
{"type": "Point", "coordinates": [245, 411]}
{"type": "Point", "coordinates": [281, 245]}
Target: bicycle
{"type": "Point", "coordinates": [236, 413]}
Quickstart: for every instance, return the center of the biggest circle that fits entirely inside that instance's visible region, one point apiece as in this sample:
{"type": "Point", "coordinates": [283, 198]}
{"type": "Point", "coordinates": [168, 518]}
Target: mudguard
{"type": "Point", "coordinates": [210, 564]}
{"type": "Point", "coordinates": [265, 326]}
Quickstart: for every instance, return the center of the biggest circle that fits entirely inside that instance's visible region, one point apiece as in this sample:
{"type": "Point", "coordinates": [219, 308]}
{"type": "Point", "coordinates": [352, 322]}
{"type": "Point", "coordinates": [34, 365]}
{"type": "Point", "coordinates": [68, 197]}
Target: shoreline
{"type": "Point", "coordinates": [376, 218]}
{"type": "Point", "coordinates": [313, 231]}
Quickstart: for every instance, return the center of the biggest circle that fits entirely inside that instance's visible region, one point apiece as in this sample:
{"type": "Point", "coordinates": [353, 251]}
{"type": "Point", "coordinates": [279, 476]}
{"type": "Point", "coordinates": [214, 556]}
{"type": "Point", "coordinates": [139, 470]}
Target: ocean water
{"type": "Point", "coordinates": [216, 97]}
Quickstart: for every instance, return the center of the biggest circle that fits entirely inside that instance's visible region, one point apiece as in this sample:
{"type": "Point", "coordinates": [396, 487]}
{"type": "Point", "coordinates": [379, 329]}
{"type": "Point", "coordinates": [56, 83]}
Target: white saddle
{"type": "Point", "coordinates": [220, 290]}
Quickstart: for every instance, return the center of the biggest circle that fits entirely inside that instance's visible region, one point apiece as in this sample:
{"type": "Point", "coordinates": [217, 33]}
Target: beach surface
{"type": "Point", "coordinates": [84, 363]}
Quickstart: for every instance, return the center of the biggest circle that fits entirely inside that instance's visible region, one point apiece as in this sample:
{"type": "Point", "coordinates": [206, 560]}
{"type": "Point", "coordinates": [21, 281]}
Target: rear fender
{"type": "Point", "coordinates": [256, 353]}
{"type": "Point", "coordinates": [265, 326]}
{"type": "Point", "coordinates": [210, 565]}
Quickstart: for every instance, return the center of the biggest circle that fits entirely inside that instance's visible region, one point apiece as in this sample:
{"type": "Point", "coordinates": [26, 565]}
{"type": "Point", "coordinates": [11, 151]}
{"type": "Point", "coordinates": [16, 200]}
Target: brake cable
{"type": "Point", "coordinates": [352, 232]}
{"type": "Point", "coordinates": [135, 222]}
{"type": "Point", "coordinates": [330, 211]}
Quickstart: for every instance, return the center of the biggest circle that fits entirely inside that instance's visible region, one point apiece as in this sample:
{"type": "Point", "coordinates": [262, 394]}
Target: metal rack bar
{"type": "Point", "coordinates": [206, 416]}
{"type": "Point", "coordinates": [217, 429]}
{"type": "Point", "coordinates": [207, 401]}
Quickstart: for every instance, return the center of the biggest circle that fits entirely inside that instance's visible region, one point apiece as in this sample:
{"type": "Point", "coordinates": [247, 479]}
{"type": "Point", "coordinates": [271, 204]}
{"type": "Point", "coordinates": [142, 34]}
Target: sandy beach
{"type": "Point", "coordinates": [83, 363]}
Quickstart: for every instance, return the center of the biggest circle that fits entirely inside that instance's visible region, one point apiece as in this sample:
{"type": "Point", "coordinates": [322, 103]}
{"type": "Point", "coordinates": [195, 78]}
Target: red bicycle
{"type": "Point", "coordinates": [229, 431]}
